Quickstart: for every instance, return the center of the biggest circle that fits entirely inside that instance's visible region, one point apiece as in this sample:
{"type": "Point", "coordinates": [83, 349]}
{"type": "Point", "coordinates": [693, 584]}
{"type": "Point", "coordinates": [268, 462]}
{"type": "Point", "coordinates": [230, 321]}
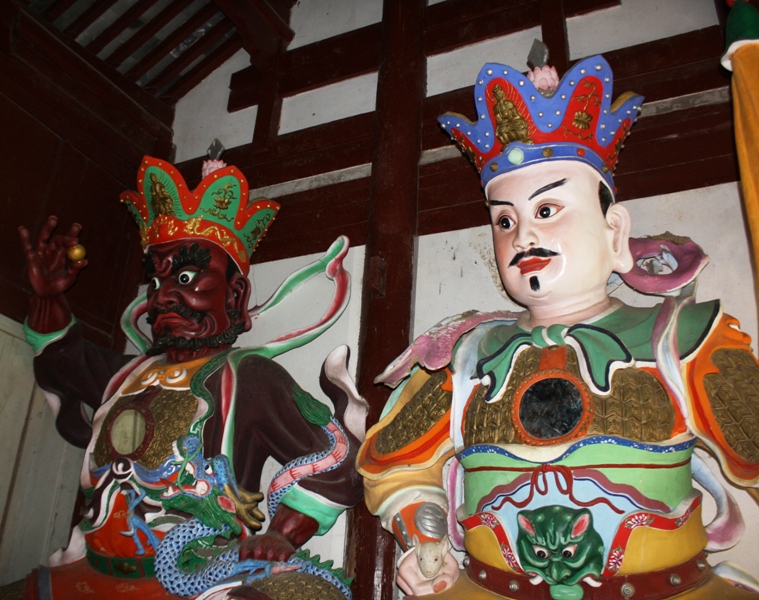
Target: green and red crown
{"type": "Point", "coordinates": [518, 125]}
{"type": "Point", "coordinates": [218, 210]}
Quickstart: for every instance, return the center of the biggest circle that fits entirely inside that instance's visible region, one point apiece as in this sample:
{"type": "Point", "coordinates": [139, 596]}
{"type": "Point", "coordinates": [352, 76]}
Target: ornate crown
{"type": "Point", "coordinates": [518, 125]}
{"type": "Point", "coordinates": [218, 210]}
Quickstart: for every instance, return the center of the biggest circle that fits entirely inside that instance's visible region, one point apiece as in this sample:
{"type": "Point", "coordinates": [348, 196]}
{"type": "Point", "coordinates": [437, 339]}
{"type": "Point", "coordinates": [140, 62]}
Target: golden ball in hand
{"type": "Point", "coordinates": [76, 253]}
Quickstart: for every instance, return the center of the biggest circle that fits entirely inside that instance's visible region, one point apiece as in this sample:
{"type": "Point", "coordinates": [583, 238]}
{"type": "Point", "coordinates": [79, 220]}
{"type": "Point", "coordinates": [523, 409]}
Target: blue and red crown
{"type": "Point", "coordinates": [519, 126]}
{"type": "Point", "coordinates": [218, 210]}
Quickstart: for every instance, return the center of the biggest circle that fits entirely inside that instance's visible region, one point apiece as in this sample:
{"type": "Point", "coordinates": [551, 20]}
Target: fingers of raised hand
{"type": "Point", "coordinates": [45, 232]}
{"type": "Point", "coordinates": [26, 241]}
{"type": "Point", "coordinates": [73, 268]}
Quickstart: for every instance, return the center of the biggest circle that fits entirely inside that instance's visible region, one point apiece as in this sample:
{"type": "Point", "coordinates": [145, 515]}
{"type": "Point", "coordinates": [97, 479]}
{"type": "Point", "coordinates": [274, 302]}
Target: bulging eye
{"type": "Point", "coordinates": [506, 222]}
{"type": "Point", "coordinates": [186, 276]}
{"type": "Point", "coordinates": [546, 211]}
{"type": "Point", "coordinates": [155, 283]}
{"type": "Point", "coordinates": [540, 552]}
{"type": "Point", "coordinates": [569, 551]}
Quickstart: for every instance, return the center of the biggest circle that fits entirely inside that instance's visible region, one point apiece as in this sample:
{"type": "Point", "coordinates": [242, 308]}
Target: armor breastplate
{"type": "Point", "coordinates": [546, 402]}
{"type": "Point", "coordinates": [143, 426]}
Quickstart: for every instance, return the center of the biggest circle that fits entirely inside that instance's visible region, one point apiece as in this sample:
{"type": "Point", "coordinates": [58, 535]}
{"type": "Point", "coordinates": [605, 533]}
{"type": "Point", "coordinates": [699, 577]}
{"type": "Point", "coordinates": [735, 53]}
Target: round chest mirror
{"type": "Point", "coordinates": [128, 432]}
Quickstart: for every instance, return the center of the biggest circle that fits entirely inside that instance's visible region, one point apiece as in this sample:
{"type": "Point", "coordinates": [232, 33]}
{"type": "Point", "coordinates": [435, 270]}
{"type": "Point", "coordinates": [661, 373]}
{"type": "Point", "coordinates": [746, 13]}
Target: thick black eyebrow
{"type": "Point", "coordinates": [500, 202]}
{"type": "Point", "coordinates": [193, 256]}
{"type": "Point", "coordinates": [545, 188]}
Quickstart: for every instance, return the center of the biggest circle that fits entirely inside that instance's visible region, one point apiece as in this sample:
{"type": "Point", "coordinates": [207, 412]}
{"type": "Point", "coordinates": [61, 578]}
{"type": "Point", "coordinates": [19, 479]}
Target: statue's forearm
{"type": "Point", "coordinates": [48, 314]}
{"type": "Point", "coordinates": [296, 527]}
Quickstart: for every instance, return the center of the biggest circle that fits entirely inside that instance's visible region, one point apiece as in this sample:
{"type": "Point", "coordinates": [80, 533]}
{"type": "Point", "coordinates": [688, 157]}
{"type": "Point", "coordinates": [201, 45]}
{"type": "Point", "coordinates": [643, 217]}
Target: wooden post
{"type": "Point", "coordinates": [553, 27]}
{"type": "Point", "coordinates": [387, 300]}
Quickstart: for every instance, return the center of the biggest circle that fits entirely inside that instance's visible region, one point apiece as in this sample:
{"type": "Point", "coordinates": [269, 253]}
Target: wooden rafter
{"type": "Point", "coordinates": [263, 31]}
{"type": "Point", "coordinates": [173, 40]}
{"type": "Point", "coordinates": [119, 25]}
{"type": "Point", "coordinates": [88, 17]}
{"type": "Point", "coordinates": [203, 69]}
{"type": "Point", "coordinates": [57, 9]}
{"type": "Point", "coordinates": [144, 34]}
{"type": "Point", "coordinates": [189, 56]}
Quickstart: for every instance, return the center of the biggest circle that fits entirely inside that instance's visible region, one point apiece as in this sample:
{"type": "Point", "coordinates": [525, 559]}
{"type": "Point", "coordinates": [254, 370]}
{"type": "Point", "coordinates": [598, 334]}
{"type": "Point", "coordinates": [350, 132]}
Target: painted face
{"type": "Point", "coordinates": [554, 247]}
{"type": "Point", "coordinates": [189, 296]}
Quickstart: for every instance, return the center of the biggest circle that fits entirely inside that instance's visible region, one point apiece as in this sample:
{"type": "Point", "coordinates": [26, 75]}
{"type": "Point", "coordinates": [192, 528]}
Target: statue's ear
{"type": "Point", "coordinates": [581, 524]}
{"type": "Point", "coordinates": [525, 524]}
{"type": "Point", "coordinates": [240, 286]}
{"type": "Point", "coordinates": [618, 220]}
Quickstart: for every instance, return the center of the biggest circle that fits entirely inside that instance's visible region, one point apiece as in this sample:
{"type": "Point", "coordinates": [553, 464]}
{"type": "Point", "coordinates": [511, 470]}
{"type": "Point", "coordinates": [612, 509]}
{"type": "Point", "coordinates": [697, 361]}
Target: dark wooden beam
{"type": "Point", "coordinates": [189, 56]}
{"type": "Point", "coordinates": [554, 31]}
{"type": "Point", "coordinates": [174, 39]}
{"type": "Point", "coordinates": [202, 70]}
{"type": "Point", "coordinates": [74, 138]}
{"type": "Point", "coordinates": [39, 45]}
{"type": "Point", "coordinates": [355, 53]}
{"type": "Point", "coordinates": [386, 307]}
{"type": "Point", "coordinates": [111, 32]}
{"type": "Point", "coordinates": [448, 25]}
{"type": "Point", "coordinates": [335, 59]}
{"type": "Point", "coordinates": [269, 111]}
{"type": "Point", "coordinates": [146, 32]}
{"type": "Point", "coordinates": [263, 31]}
{"type": "Point", "coordinates": [314, 218]}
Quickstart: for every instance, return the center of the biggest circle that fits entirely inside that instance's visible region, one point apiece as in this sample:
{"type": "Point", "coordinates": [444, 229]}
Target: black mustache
{"type": "Point", "coordinates": [180, 309]}
{"type": "Point", "coordinates": [540, 252]}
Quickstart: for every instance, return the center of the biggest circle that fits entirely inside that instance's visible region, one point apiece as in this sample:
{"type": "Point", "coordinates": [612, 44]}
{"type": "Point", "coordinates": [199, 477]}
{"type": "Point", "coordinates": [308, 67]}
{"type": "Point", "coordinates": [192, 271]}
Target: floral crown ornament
{"type": "Point", "coordinates": [519, 126]}
{"type": "Point", "coordinates": [218, 210]}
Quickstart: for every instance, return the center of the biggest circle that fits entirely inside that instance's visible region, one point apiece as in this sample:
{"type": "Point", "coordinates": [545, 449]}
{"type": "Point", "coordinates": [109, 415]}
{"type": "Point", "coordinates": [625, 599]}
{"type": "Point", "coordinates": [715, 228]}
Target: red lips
{"type": "Point", "coordinates": [532, 264]}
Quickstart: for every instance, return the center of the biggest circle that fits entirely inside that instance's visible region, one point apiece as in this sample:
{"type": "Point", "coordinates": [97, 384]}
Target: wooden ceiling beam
{"type": "Point", "coordinates": [190, 55]}
{"type": "Point", "coordinates": [263, 31]}
{"type": "Point", "coordinates": [174, 39]}
{"type": "Point", "coordinates": [144, 34]}
{"type": "Point", "coordinates": [47, 45]}
{"type": "Point", "coordinates": [88, 17]}
{"type": "Point", "coordinates": [202, 70]}
{"type": "Point", "coordinates": [115, 29]}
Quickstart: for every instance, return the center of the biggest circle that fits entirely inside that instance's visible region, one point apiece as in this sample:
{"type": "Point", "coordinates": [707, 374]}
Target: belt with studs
{"type": "Point", "coordinates": [655, 585]}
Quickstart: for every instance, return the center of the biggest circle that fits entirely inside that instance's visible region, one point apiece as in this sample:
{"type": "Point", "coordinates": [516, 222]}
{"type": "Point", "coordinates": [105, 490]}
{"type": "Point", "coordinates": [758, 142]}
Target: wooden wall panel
{"type": "Point", "coordinates": [667, 153]}
{"type": "Point", "coordinates": [310, 221]}
{"type": "Point", "coordinates": [71, 140]}
{"type": "Point", "coordinates": [448, 26]}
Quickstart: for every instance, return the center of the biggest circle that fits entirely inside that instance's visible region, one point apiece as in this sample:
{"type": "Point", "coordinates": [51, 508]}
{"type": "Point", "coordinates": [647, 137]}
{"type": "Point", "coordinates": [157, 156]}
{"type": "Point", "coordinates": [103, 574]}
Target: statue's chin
{"type": "Point", "coordinates": [566, 592]}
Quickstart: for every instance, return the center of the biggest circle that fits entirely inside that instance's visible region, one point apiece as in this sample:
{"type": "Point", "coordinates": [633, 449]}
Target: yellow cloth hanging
{"type": "Point", "coordinates": [745, 62]}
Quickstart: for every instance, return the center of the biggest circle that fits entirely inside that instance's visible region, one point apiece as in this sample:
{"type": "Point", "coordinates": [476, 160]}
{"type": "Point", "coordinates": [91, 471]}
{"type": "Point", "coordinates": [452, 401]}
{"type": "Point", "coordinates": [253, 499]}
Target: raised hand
{"type": "Point", "coordinates": [51, 274]}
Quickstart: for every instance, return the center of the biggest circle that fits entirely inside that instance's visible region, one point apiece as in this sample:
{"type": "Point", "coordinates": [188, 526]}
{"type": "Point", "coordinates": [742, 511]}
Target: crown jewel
{"type": "Point", "coordinates": [218, 210]}
{"type": "Point", "coordinates": [518, 126]}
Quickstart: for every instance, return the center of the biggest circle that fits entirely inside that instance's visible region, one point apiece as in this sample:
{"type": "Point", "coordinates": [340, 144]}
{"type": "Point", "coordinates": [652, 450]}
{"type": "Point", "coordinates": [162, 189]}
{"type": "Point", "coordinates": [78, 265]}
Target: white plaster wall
{"type": "Point", "coordinates": [459, 68]}
{"type": "Point", "coordinates": [201, 115]}
{"type": "Point", "coordinates": [315, 20]}
{"type": "Point", "coordinates": [329, 103]}
{"type": "Point", "coordinates": [636, 22]}
{"type": "Point", "coordinates": [633, 22]}
{"type": "Point", "coordinates": [39, 471]}
{"type": "Point", "coordinates": [456, 272]}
